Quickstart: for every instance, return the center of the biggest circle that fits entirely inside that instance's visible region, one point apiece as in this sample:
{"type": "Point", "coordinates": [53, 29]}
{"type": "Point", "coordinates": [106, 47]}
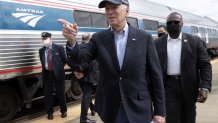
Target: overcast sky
{"type": "Point", "coordinates": [207, 8]}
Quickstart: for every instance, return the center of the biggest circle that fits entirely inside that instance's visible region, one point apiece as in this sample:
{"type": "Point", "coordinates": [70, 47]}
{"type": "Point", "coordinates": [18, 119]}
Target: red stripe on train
{"type": "Point", "coordinates": [61, 5]}
{"type": "Point", "coordinates": [20, 70]}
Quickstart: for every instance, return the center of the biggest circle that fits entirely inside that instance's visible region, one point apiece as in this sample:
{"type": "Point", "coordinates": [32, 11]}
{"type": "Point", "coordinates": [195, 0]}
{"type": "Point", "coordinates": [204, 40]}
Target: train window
{"type": "Point", "coordinates": [202, 30]}
{"type": "Point", "coordinates": [194, 29]}
{"type": "Point", "coordinates": [83, 19]}
{"type": "Point", "coordinates": [133, 22]}
{"type": "Point", "coordinates": [208, 31]}
{"type": "Point", "coordinates": [214, 32]}
{"type": "Point", "coordinates": [150, 24]}
{"type": "Point", "coordinates": [99, 20]}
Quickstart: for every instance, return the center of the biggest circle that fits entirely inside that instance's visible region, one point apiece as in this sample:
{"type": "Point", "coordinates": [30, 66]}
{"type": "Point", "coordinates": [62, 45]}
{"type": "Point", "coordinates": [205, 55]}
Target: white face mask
{"type": "Point", "coordinates": [46, 42]}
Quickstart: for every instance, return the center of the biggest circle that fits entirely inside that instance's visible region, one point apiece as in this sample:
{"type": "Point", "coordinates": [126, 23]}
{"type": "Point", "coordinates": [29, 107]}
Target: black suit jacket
{"type": "Point", "coordinates": [196, 71]}
{"type": "Point", "coordinates": [58, 61]}
{"type": "Point", "coordinates": [138, 83]}
{"type": "Point", "coordinates": [90, 70]}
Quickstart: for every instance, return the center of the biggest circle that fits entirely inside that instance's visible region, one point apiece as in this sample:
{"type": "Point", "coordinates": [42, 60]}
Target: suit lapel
{"type": "Point", "coordinates": [164, 49]}
{"type": "Point", "coordinates": [53, 50]}
{"type": "Point", "coordinates": [111, 47]}
{"type": "Point", "coordinates": [130, 46]}
{"type": "Point", "coordinates": [184, 47]}
{"type": "Point", "coordinates": [43, 56]}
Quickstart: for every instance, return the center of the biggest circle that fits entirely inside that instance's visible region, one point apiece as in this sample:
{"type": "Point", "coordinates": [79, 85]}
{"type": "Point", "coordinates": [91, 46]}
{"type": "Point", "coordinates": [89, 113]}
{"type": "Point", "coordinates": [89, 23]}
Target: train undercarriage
{"type": "Point", "coordinates": [20, 92]}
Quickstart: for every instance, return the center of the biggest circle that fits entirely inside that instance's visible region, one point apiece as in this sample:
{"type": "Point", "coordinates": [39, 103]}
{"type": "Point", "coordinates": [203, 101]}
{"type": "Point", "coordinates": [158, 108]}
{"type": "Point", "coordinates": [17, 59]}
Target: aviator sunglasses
{"type": "Point", "coordinates": [173, 22]}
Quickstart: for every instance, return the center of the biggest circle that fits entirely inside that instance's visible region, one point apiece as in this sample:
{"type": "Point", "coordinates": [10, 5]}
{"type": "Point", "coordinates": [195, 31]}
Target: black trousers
{"type": "Point", "coordinates": [91, 106]}
{"type": "Point", "coordinates": [48, 92]}
{"type": "Point", "coordinates": [177, 109]}
{"type": "Point", "coordinates": [86, 99]}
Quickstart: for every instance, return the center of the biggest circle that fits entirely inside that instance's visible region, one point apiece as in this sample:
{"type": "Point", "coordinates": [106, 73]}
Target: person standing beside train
{"type": "Point", "coordinates": [130, 74]}
{"type": "Point", "coordinates": [88, 75]}
{"type": "Point", "coordinates": [161, 30]}
{"type": "Point", "coordinates": [186, 70]}
{"type": "Point", "coordinates": [53, 60]}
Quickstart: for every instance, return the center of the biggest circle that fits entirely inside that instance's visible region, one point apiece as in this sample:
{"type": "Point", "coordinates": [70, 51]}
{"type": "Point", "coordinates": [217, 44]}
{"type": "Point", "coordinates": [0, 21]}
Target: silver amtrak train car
{"type": "Point", "coordinates": [22, 22]}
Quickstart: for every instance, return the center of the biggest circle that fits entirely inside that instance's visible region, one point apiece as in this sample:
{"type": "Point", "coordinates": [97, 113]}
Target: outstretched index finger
{"type": "Point", "coordinates": [64, 21]}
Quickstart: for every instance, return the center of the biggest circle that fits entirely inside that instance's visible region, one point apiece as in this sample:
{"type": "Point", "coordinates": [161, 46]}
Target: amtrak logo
{"type": "Point", "coordinates": [28, 16]}
{"type": "Point", "coordinates": [30, 19]}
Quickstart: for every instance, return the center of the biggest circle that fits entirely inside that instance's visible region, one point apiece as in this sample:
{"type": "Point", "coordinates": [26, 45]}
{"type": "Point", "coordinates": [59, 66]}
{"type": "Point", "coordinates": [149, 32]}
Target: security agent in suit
{"type": "Point", "coordinates": [186, 70]}
{"type": "Point", "coordinates": [161, 30]}
{"type": "Point", "coordinates": [94, 71]}
{"type": "Point", "coordinates": [130, 73]}
{"type": "Point", "coordinates": [90, 75]}
{"type": "Point", "coordinates": [53, 59]}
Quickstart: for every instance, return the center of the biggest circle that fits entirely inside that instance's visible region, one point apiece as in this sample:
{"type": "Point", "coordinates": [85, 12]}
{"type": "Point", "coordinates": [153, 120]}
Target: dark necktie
{"type": "Point", "coordinates": [49, 59]}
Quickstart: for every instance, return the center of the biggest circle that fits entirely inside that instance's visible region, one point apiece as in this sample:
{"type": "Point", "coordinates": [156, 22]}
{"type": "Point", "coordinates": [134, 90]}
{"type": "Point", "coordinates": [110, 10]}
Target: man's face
{"type": "Point", "coordinates": [174, 24]}
{"type": "Point", "coordinates": [116, 14]}
{"type": "Point", "coordinates": [46, 42]}
{"type": "Point", "coordinates": [161, 30]}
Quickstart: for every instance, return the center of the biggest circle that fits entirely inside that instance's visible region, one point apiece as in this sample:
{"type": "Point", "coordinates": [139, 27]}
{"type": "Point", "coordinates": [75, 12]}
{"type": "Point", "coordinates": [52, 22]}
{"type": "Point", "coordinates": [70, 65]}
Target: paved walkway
{"type": "Point", "coordinates": [206, 113]}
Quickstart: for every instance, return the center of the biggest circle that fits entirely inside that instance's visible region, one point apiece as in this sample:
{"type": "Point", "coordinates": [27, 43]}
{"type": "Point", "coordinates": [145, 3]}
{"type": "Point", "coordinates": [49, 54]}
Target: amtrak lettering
{"type": "Point", "coordinates": [29, 10]}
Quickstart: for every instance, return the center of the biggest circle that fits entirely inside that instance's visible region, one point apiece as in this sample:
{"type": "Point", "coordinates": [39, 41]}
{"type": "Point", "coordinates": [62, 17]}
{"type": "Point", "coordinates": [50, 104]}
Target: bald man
{"type": "Point", "coordinates": [85, 37]}
{"type": "Point", "coordinates": [186, 71]}
{"type": "Point", "coordinates": [87, 74]}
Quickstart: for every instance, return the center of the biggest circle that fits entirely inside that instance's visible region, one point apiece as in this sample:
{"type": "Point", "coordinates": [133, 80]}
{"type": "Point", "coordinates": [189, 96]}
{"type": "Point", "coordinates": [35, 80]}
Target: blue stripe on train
{"type": "Point", "coordinates": [17, 16]}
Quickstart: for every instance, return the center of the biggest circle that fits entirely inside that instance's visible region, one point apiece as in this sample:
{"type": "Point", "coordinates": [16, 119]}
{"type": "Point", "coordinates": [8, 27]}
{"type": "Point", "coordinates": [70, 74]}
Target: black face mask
{"type": "Point", "coordinates": [173, 29]}
{"type": "Point", "coordinates": [161, 34]}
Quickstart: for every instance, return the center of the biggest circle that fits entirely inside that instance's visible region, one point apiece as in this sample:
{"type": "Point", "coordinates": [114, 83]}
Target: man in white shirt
{"type": "Point", "coordinates": [186, 70]}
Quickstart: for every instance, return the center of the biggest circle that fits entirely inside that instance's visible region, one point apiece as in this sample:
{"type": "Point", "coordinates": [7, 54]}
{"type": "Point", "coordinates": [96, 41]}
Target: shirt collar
{"type": "Point", "coordinates": [179, 38]}
{"type": "Point", "coordinates": [124, 31]}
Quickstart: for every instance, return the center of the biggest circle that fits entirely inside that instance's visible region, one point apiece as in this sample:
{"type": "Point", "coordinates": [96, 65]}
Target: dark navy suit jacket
{"type": "Point", "coordinates": [196, 70]}
{"type": "Point", "coordinates": [138, 83]}
{"type": "Point", "coordinates": [58, 61]}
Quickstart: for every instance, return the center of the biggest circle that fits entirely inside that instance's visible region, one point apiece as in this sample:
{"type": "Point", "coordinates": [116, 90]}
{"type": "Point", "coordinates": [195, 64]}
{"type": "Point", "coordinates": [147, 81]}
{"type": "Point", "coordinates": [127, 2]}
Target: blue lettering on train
{"type": "Point", "coordinates": [16, 16]}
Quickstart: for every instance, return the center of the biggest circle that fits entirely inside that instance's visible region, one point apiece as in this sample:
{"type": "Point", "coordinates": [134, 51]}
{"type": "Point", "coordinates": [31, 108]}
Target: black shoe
{"type": "Point", "coordinates": [92, 113]}
{"type": "Point", "coordinates": [50, 116]}
{"type": "Point", "coordinates": [88, 121]}
{"type": "Point", "coordinates": [63, 115]}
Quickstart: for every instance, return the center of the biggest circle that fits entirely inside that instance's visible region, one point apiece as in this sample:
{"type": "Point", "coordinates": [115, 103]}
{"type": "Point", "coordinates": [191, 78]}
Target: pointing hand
{"type": "Point", "coordinates": [69, 31]}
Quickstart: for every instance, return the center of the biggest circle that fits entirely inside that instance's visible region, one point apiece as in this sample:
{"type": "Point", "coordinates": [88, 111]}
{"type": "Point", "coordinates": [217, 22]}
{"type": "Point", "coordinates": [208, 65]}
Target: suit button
{"type": "Point", "coordinates": [121, 78]}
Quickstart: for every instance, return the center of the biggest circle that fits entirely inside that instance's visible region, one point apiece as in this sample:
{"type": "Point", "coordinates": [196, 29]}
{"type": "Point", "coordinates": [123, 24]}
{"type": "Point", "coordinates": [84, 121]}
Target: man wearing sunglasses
{"type": "Point", "coordinates": [186, 70]}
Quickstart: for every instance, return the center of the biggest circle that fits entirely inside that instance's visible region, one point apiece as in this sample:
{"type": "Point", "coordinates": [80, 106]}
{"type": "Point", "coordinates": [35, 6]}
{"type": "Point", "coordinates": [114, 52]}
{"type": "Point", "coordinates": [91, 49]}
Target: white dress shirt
{"type": "Point", "coordinates": [120, 42]}
{"type": "Point", "coordinates": [174, 47]}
